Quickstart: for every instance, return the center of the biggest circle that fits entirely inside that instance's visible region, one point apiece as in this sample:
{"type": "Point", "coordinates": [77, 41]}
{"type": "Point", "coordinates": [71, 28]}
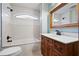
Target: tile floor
{"type": "Point", "coordinates": [33, 49]}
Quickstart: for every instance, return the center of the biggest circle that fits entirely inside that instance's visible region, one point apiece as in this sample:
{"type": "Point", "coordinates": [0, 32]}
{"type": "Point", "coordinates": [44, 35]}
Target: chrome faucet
{"type": "Point", "coordinates": [58, 32]}
{"type": "Point", "coordinates": [8, 39]}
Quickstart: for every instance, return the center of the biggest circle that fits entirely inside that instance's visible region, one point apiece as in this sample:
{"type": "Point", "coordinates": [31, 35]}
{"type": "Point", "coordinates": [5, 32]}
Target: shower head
{"type": "Point", "coordinates": [11, 10]}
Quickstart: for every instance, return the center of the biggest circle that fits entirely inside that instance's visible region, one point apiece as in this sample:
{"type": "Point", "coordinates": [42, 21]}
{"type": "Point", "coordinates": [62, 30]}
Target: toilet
{"type": "Point", "coordinates": [12, 51]}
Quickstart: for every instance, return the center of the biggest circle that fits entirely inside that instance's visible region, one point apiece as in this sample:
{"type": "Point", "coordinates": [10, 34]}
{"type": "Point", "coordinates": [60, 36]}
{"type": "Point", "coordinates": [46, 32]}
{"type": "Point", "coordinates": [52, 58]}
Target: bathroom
{"type": "Point", "coordinates": [21, 34]}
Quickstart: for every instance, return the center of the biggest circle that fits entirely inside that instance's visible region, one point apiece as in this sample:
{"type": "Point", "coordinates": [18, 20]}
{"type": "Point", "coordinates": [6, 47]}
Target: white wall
{"type": "Point", "coordinates": [0, 26]}
{"type": "Point", "coordinates": [0, 21]}
{"type": "Point", "coordinates": [43, 17]}
{"type": "Point", "coordinates": [36, 29]}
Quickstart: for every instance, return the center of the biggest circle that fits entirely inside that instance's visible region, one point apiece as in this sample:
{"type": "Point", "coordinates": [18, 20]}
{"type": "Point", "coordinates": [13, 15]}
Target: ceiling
{"type": "Point", "coordinates": [35, 6]}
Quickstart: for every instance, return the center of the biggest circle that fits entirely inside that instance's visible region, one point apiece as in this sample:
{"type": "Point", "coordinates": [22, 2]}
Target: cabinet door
{"type": "Point", "coordinates": [46, 46]}
{"type": "Point", "coordinates": [43, 45]}
{"type": "Point", "coordinates": [42, 42]}
{"type": "Point", "coordinates": [49, 47]}
{"type": "Point", "coordinates": [51, 51]}
{"type": "Point", "coordinates": [76, 48]}
{"type": "Point", "coordinates": [56, 53]}
{"type": "Point", "coordinates": [59, 48]}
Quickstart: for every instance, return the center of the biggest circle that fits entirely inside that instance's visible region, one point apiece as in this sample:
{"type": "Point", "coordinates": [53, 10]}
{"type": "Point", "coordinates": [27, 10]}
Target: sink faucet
{"type": "Point", "coordinates": [58, 32]}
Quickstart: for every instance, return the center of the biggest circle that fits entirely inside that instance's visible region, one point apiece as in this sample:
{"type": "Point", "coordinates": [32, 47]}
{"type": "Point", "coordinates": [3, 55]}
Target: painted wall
{"type": "Point", "coordinates": [43, 17]}
{"type": "Point", "coordinates": [67, 31]}
{"type": "Point", "coordinates": [48, 24]}
{"type": "Point", "coordinates": [51, 5]}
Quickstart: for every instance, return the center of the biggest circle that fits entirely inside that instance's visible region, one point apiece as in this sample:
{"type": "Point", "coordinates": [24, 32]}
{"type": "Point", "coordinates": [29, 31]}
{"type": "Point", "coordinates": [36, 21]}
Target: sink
{"type": "Point", "coordinates": [61, 38]}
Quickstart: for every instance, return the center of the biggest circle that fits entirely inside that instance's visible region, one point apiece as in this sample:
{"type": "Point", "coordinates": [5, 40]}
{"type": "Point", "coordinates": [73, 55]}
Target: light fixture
{"type": "Point", "coordinates": [55, 20]}
{"type": "Point", "coordinates": [26, 16]}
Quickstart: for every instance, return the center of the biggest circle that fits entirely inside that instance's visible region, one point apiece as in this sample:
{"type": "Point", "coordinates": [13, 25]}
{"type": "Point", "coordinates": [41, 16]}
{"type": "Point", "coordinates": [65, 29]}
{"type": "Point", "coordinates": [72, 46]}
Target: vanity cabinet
{"type": "Point", "coordinates": [51, 47]}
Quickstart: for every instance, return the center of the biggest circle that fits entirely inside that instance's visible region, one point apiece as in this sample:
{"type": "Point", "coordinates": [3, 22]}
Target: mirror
{"type": "Point", "coordinates": [65, 15]}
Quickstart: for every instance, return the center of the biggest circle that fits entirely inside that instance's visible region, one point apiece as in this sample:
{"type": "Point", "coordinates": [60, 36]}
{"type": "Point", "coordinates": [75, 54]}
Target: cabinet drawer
{"type": "Point", "coordinates": [59, 47]}
{"type": "Point", "coordinates": [56, 53]}
{"type": "Point", "coordinates": [51, 49]}
{"type": "Point", "coordinates": [50, 40]}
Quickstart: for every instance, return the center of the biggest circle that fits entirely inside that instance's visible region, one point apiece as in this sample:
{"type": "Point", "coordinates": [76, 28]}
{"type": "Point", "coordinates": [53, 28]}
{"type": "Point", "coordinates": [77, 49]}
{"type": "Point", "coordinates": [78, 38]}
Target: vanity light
{"type": "Point", "coordinates": [55, 20]}
{"type": "Point", "coordinates": [26, 16]}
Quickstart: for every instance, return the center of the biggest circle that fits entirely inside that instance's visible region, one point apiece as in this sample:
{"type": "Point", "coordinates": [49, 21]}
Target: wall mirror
{"type": "Point", "coordinates": [64, 15]}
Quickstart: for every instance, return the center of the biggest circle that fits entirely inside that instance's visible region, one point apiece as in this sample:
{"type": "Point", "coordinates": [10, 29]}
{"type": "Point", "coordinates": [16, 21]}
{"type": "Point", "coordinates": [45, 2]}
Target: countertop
{"type": "Point", "coordinates": [61, 38]}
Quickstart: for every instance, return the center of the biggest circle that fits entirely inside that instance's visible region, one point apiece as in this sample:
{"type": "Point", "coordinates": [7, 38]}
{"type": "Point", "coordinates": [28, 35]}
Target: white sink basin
{"type": "Point", "coordinates": [61, 38]}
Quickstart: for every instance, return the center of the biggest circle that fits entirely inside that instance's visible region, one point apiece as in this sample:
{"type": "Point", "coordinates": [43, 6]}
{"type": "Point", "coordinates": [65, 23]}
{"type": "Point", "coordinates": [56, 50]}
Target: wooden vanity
{"type": "Point", "coordinates": [52, 47]}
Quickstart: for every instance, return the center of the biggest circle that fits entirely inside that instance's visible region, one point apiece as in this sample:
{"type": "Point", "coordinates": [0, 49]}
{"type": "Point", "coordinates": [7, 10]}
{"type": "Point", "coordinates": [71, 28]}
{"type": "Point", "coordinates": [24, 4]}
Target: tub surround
{"type": "Point", "coordinates": [61, 38]}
